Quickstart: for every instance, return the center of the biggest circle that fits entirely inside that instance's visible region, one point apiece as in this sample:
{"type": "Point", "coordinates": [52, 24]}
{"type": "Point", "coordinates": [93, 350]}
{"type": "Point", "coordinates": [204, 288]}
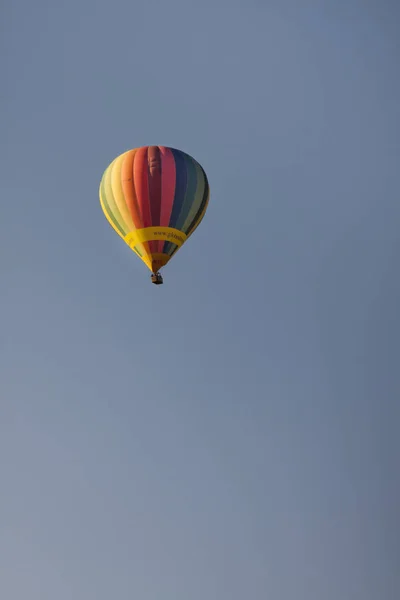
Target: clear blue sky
{"type": "Point", "coordinates": [233, 434]}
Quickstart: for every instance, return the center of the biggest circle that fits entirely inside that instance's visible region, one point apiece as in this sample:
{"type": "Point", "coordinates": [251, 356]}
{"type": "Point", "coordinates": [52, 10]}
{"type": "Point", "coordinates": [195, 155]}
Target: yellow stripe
{"type": "Point", "coordinates": [145, 258]}
{"type": "Point", "coordinates": [105, 211]}
{"type": "Point", "coordinates": [118, 194]}
{"type": "Point", "coordinates": [149, 234]}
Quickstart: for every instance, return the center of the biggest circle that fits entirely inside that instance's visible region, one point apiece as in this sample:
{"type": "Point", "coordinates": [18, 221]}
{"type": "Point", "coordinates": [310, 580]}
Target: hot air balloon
{"type": "Point", "coordinates": [154, 197]}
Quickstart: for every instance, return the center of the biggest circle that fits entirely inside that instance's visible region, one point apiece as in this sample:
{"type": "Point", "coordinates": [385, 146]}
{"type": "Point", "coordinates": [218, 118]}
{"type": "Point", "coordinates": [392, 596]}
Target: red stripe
{"type": "Point", "coordinates": [141, 179]}
{"type": "Point", "coordinates": [154, 169]}
{"type": "Point", "coordinates": [168, 179]}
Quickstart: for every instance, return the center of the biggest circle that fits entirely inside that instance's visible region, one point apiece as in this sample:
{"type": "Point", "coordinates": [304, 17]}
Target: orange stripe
{"type": "Point", "coordinates": [129, 188]}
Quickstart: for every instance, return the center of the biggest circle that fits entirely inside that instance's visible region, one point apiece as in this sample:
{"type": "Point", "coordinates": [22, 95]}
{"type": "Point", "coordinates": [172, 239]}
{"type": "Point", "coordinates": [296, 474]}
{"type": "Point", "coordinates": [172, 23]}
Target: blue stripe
{"type": "Point", "coordinates": [181, 181]}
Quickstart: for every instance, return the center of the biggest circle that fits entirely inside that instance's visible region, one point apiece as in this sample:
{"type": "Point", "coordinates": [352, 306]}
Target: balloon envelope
{"type": "Point", "coordinates": [154, 197]}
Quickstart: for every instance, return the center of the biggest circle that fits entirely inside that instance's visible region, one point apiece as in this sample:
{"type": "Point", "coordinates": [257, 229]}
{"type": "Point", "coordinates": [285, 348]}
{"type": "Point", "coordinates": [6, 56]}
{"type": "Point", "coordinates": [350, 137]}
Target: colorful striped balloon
{"type": "Point", "coordinates": [154, 197]}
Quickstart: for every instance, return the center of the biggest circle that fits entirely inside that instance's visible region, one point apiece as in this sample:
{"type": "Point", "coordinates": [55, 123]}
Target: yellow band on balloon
{"type": "Point", "coordinates": [150, 234]}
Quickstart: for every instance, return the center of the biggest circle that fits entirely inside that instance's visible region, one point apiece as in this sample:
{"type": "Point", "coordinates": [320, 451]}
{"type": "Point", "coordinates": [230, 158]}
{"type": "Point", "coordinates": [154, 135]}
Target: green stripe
{"type": "Point", "coordinates": [199, 217]}
{"type": "Point", "coordinates": [104, 198]}
{"type": "Point", "coordinates": [197, 200]}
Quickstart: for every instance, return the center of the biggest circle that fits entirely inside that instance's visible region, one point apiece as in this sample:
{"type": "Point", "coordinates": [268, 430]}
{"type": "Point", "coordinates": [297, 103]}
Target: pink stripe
{"type": "Point", "coordinates": [168, 178]}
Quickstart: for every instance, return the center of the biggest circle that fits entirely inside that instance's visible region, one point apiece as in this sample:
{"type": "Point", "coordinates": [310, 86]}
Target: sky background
{"type": "Point", "coordinates": [233, 434]}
